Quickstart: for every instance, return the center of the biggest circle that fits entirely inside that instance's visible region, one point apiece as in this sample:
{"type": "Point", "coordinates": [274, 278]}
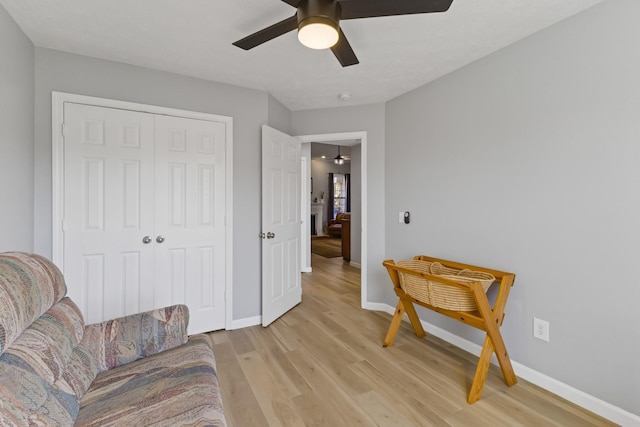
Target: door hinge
{"type": "Point", "coordinates": [64, 225]}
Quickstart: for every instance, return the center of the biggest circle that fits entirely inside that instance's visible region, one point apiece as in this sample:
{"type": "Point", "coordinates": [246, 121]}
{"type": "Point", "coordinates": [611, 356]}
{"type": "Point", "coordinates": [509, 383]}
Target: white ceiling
{"type": "Point", "coordinates": [193, 37]}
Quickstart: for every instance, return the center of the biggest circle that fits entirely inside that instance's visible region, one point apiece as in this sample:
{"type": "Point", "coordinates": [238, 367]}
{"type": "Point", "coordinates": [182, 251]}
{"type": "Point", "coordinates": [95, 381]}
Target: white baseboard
{"type": "Point", "coordinates": [245, 323]}
{"type": "Point", "coordinates": [355, 264]}
{"type": "Point", "coordinates": [374, 306]}
{"type": "Point", "coordinates": [580, 398]}
{"type": "Point", "coordinates": [306, 269]}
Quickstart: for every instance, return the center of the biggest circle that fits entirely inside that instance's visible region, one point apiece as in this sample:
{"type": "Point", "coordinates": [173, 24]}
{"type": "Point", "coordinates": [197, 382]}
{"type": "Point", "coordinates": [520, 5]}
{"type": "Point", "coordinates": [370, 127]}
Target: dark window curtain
{"type": "Point", "coordinates": [330, 199]}
{"type": "Point", "coordinates": [347, 180]}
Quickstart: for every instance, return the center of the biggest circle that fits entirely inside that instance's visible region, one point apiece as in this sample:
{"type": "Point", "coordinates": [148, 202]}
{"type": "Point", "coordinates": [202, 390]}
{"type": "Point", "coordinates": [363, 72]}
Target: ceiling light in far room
{"type": "Point", "coordinates": [345, 96]}
{"type": "Point", "coordinates": [338, 160]}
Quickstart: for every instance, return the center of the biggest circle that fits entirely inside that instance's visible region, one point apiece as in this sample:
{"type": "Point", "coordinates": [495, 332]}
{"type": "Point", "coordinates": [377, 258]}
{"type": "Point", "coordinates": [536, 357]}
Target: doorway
{"type": "Point", "coordinates": [357, 141]}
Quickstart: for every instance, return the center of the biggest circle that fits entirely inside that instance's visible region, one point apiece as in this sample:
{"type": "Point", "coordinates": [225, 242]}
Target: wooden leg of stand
{"type": "Point", "coordinates": [481, 371]}
{"type": "Point", "coordinates": [495, 341]}
{"type": "Point", "coordinates": [395, 325]}
{"type": "Point", "coordinates": [505, 364]}
{"type": "Point", "coordinates": [413, 318]}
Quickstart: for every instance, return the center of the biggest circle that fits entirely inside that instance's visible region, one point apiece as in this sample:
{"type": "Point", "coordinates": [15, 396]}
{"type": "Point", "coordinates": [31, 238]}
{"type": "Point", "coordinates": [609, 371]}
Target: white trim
{"type": "Point", "coordinates": [379, 306]}
{"type": "Point", "coordinates": [573, 395]}
{"type": "Point", "coordinates": [57, 119]}
{"type": "Point", "coordinates": [245, 323]}
{"type": "Point", "coordinates": [305, 214]}
{"type": "Point", "coordinates": [57, 181]}
{"type": "Point", "coordinates": [355, 264]}
{"type": "Point", "coordinates": [228, 286]}
{"type": "Point", "coordinates": [361, 138]}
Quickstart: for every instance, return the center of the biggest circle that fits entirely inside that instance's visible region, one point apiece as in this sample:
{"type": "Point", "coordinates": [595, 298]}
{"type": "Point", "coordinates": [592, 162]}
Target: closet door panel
{"type": "Point", "coordinates": [190, 210]}
{"type": "Point", "coordinates": [108, 208]}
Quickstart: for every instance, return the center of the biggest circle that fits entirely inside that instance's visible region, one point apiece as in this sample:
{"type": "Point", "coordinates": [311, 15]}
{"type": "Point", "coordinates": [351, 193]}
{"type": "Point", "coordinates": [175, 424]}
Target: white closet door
{"type": "Point", "coordinates": [190, 219]}
{"type": "Point", "coordinates": [108, 209]}
{"type": "Point", "coordinates": [144, 209]}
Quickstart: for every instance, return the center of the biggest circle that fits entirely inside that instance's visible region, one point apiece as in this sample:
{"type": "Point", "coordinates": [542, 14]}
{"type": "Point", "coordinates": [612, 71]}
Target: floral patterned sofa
{"type": "Point", "coordinates": [137, 370]}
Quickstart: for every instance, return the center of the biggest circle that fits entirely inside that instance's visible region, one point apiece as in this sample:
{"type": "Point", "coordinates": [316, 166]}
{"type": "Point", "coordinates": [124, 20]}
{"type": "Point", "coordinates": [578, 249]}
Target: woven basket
{"type": "Point", "coordinates": [439, 294]}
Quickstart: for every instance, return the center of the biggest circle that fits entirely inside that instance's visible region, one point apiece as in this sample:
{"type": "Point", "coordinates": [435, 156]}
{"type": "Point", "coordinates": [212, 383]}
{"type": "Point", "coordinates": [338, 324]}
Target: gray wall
{"type": "Point", "coordinates": [527, 161]}
{"type": "Point", "coordinates": [16, 137]}
{"type": "Point", "coordinates": [319, 171]}
{"type": "Point", "coordinates": [278, 116]}
{"type": "Point", "coordinates": [57, 71]}
{"type": "Point", "coordinates": [369, 118]}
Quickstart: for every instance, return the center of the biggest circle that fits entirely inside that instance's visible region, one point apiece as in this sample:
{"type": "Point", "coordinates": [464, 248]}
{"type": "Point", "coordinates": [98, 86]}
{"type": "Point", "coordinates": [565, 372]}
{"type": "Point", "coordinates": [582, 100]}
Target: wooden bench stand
{"type": "Point", "coordinates": [485, 318]}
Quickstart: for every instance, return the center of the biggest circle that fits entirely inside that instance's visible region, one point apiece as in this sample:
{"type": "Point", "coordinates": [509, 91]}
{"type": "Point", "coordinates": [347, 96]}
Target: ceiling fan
{"type": "Point", "coordinates": [318, 22]}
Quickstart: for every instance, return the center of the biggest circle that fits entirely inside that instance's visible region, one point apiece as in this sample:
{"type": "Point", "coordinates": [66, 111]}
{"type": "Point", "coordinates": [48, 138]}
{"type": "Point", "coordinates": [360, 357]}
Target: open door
{"type": "Point", "coordinates": [281, 281]}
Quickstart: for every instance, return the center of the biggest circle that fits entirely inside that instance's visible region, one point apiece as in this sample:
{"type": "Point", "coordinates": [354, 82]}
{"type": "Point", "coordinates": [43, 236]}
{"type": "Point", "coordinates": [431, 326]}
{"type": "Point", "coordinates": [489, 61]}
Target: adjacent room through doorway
{"type": "Point", "coordinates": [344, 158]}
{"type": "Point", "coordinates": [330, 199]}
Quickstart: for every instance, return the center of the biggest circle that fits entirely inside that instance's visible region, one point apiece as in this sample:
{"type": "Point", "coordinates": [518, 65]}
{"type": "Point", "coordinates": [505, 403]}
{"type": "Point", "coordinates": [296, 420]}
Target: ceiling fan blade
{"type": "Point", "coordinates": [343, 51]}
{"type": "Point", "coordinates": [293, 3]}
{"type": "Point", "coordinates": [268, 33]}
{"type": "Point", "coordinates": [354, 9]}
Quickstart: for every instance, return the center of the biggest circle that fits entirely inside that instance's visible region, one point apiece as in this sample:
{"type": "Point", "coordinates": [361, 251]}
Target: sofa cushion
{"type": "Point", "coordinates": [58, 409]}
{"type": "Point", "coordinates": [117, 342]}
{"type": "Point", "coordinates": [126, 339]}
{"type": "Point", "coordinates": [172, 388]}
{"type": "Point", "coordinates": [35, 360]}
{"type": "Point", "coordinates": [81, 369]}
{"type": "Point", "coordinates": [46, 345]}
{"type": "Point", "coordinates": [22, 392]}
{"type": "Point", "coordinates": [29, 286]}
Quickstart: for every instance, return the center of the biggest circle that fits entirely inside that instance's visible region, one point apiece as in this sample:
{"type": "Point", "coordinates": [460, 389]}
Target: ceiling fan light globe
{"type": "Point", "coordinates": [318, 35]}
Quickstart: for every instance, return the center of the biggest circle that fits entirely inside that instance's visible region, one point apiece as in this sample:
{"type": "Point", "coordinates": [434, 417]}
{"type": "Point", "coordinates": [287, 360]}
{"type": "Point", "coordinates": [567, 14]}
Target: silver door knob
{"type": "Point", "coordinates": [271, 235]}
{"type": "Point", "coordinates": [160, 239]}
{"type": "Point", "coordinates": [262, 235]}
{"type": "Point", "coordinates": [146, 240]}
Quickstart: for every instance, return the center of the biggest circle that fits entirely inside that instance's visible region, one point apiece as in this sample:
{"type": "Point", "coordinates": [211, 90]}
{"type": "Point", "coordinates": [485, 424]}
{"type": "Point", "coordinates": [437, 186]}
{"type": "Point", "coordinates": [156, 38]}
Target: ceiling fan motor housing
{"type": "Point", "coordinates": [319, 12]}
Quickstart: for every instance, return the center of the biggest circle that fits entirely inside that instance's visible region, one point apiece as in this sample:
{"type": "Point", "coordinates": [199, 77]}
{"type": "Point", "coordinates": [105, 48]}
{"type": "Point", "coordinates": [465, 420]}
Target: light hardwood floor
{"type": "Point", "coordinates": [323, 364]}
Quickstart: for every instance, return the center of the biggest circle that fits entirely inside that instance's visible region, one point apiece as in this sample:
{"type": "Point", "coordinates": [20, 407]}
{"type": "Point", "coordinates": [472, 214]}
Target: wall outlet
{"type": "Point", "coordinates": [541, 329]}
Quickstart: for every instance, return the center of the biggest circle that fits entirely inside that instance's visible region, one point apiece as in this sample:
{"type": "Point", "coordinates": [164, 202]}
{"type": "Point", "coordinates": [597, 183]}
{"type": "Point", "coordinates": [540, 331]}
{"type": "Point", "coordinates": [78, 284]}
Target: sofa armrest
{"type": "Point", "coordinates": [127, 339]}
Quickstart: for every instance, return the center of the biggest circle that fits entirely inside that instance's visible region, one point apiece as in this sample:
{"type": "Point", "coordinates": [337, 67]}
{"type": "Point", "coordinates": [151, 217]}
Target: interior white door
{"type": "Point", "coordinates": [190, 219]}
{"type": "Point", "coordinates": [108, 210]}
{"type": "Point", "coordinates": [281, 276]}
{"type": "Point", "coordinates": [144, 214]}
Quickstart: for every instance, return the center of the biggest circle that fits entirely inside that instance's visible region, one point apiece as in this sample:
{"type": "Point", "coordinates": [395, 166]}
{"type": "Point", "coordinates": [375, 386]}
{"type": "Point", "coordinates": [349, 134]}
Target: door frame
{"type": "Point", "coordinates": [361, 138]}
{"type": "Point", "coordinates": [57, 173]}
